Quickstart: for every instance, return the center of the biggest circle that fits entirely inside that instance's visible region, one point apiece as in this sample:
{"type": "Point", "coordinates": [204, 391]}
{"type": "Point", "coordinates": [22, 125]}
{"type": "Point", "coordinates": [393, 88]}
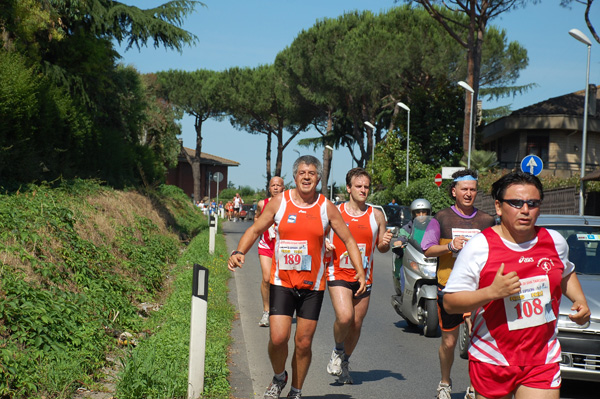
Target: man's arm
{"type": "Point", "coordinates": [259, 208]}
{"type": "Point", "coordinates": [253, 232]}
{"type": "Point", "coordinates": [467, 301]}
{"type": "Point", "coordinates": [343, 232]}
{"type": "Point", "coordinates": [384, 235]}
{"type": "Point", "coordinates": [571, 288]}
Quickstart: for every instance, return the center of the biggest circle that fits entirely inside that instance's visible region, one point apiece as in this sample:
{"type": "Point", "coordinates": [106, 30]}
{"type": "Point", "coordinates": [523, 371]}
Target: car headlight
{"type": "Point", "coordinates": [565, 322]}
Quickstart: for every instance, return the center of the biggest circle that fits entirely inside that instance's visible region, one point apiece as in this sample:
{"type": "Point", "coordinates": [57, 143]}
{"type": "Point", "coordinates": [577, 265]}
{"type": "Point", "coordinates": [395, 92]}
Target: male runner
{"type": "Point", "coordinates": [265, 249]}
{"type": "Point", "coordinates": [367, 226]}
{"type": "Point", "coordinates": [512, 277]}
{"type": "Point", "coordinates": [301, 217]}
{"type": "Point", "coordinates": [444, 237]}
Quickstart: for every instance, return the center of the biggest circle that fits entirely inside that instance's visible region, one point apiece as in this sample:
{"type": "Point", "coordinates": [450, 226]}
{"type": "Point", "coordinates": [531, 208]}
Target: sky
{"type": "Point", "coordinates": [249, 33]}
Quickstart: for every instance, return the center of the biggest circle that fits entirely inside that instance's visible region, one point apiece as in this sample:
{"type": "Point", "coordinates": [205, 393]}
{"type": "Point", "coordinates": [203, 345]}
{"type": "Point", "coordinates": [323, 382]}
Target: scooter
{"type": "Point", "coordinates": [415, 283]}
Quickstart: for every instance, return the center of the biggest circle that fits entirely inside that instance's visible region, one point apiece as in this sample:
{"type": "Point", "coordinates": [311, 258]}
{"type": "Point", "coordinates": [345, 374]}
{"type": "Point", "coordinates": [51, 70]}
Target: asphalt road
{"type": "Point", "coordinates": [391, 360]}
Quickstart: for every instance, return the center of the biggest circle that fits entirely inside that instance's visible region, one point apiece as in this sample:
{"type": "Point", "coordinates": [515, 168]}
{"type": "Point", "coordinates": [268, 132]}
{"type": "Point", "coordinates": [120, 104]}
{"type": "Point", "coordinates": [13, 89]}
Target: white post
{"type": "Point", "coordinates": [212, 232]}
{"type": "Point", "coordinates": [198, 332]}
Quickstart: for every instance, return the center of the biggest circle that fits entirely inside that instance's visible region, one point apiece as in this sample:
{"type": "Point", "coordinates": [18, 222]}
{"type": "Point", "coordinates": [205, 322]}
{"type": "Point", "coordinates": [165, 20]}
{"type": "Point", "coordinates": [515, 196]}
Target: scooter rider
{"type": "Point", "coordinates": [420, 209]}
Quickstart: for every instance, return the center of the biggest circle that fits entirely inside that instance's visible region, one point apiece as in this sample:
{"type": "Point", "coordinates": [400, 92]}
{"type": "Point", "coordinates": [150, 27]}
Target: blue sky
{"type": "Point", "coordinates": [249, 33]}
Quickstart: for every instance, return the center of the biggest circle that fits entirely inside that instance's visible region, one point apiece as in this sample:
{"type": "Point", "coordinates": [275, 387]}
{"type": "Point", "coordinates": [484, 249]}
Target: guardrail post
{"type": "Point", "coordinates": [198, 332]}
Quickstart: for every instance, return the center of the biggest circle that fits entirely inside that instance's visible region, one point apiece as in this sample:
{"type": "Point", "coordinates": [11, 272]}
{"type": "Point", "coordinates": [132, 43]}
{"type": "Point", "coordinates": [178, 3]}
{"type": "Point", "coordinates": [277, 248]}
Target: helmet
{"type": "Point", "coordinates": [420, 204]}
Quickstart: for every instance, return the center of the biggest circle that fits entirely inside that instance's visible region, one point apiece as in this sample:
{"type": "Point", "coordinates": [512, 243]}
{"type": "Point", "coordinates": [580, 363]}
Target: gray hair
{"type": "Point", "coordinates": [308, 160]}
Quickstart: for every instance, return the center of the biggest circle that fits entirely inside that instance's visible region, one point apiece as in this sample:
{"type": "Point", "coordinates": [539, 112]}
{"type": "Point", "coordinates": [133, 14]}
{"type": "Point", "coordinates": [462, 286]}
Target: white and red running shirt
{"type": "Point", "coordinates": [266, 244]}
{"type": "Point", "coordinates": [520, 330]}
{"type": "Point", "coordinates": [364, 229]}
{"type": "Point", "coordinates": [300, 244]}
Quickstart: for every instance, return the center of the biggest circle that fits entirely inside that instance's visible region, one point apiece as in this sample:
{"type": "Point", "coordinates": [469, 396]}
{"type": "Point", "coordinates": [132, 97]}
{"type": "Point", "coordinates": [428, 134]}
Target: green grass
{"type": "Point", "coordinates": [75, 259]}
{"type": "Point", "coordinates": [158, 367]}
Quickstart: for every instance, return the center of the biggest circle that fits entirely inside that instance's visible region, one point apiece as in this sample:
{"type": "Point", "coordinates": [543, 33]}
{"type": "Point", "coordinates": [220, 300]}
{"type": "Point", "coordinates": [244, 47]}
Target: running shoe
{"type": "Point", "coordinates": [295, 395]}
{"type": "Point", "coordinates": [345, 378]}
{"type": "Point", "coordinates": [334, 367]}
{"type": "Point", "coordinates": [443, 391]}
{"type": "Point", "coordinates": [264, 320]}
{"type": "Point", "coordinates": [274, 390]}
{"type": "Point", "coordinates": [470, 393]}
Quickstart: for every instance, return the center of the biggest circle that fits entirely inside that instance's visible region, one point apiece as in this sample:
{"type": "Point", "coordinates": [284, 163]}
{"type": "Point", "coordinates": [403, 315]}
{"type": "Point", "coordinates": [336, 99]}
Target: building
{"type": "Point", "coordinates": [552, 130]}
{"type": "Point", "coordinates": [181, 175]}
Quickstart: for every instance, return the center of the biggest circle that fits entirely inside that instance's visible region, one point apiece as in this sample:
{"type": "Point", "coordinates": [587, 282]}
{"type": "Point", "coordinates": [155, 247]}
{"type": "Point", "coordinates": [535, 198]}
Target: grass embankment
{"type": "Point", "coordinates": [76, 263]}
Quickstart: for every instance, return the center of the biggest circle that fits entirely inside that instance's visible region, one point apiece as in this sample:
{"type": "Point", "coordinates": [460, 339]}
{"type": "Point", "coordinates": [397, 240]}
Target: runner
{"type": "Point", "coordinates": [265, 249]}
{"type": "Point", "coordinates": [301, 217]}
{"type": "Point", "coordinates": [367, 226]}
{"type": "Point", "coordinates": [511, 277]}
{"type": "Point", "coordinates": [237, 206]}
{"type": "Point", "coordinates": [444, 237]}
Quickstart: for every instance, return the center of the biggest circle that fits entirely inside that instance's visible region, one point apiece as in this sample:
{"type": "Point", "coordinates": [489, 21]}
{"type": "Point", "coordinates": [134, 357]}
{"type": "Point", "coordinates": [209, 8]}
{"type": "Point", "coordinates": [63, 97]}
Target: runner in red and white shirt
{"type": "Point", "coordinates": [367, 226]}
{"type": "Point", "coordinates": [266, 245]}
{"type": "Point", "coordinates": [512, 276]}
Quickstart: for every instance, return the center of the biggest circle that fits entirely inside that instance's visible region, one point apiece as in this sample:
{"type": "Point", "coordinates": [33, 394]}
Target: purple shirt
{"type": "Point", "coordinates": [432, 233]}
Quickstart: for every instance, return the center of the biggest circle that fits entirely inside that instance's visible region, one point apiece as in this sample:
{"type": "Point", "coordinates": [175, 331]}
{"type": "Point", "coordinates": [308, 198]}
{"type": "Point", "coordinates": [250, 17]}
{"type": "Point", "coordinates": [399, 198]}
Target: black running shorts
{"type": "Point", "coordinates": [286, 301]}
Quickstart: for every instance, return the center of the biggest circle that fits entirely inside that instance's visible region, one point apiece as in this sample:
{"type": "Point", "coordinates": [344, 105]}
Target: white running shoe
{"type": "Point", "coordinates": [264, 320]}
{"type": "Point", "coordinates": [334, 367]}
{"type": "Point", "coordinates": [274, 389]}
{"type": "Point", "coordinates": [345, 378]}
{"type": "Point", "coordinates": [470, 393]}
{"type": "Point", "coordinates": [443, 391]}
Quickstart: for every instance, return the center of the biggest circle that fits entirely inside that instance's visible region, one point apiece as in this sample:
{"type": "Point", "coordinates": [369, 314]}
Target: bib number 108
{"type": "Point", "coordinates": [529, 308]}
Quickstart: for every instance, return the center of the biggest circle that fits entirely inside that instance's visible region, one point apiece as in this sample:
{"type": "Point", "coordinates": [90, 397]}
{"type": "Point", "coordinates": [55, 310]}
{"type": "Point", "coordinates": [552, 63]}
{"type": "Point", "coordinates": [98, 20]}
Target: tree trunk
{"type": "Point", "coordinates": [279, 160]}
{"type": "Point", "coordinates": [327, 157]}
{"type": "Point", "coordinates": [195, 161]}
{"type": "Point", "coordinates": [268, 159]}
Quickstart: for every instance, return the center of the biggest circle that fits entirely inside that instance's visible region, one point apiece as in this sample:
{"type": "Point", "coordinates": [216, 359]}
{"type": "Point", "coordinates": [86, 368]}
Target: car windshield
{"type": "Point", "coordinates": [584, 247]}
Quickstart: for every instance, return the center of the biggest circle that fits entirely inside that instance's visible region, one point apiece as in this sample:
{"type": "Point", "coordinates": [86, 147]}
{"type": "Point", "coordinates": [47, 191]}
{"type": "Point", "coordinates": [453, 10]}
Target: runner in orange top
{"type": "Point", "coordinates": [368, 228]}
{"type": "Point", "coordinates": [301, 218]}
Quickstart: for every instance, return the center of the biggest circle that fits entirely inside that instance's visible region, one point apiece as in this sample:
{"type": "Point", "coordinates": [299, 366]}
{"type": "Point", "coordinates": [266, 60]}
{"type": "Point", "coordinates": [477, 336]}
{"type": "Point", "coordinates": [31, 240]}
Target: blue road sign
{"type": "Point", "coordinates": [532, 164]}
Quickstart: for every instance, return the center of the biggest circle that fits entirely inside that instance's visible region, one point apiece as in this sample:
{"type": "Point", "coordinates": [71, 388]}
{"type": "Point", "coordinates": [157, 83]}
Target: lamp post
{"type": "Point", "coordinates": [330, 148]}
{"type": "Point", "coordinates": [370, 126]}
{"type": "Point", "coordinates": [577, 34]}
{"type": "Point", "coordinates": [405, 107]}
{"type": "Point", "coordinates": [470, 90]}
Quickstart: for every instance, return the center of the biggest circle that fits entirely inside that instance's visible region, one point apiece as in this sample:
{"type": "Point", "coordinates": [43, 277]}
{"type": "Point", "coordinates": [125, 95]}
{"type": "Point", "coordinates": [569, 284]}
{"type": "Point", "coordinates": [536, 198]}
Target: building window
{"type": "Point", "coordinates": [538, 145]}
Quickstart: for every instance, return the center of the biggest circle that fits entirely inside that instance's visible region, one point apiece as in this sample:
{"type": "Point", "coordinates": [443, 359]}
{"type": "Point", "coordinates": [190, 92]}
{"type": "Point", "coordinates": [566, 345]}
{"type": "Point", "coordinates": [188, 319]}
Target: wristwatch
{"type": "Point", "coordinates": [237, 252]}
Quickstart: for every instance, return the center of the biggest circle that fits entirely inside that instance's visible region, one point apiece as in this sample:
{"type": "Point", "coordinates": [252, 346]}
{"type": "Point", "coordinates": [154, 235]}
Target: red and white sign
{"type": "Point", "coordinates": [438, 179]}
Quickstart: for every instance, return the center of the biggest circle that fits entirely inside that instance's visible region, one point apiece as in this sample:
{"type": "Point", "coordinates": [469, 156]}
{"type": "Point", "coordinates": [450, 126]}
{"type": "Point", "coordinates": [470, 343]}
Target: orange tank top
{"type": "Point", "coordinates": [299, 246]}
{"type": "Point", "coordinates": [364, 229]}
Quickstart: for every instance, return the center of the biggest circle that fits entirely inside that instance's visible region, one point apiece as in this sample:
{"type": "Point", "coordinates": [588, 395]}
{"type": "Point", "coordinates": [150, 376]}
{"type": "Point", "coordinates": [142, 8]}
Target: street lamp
{"type": "Point", "coordinates": [577, 34]}
{"type": "Point", "coordinates": [370, 125]}
{"type": "Point", "coordinates": [404, 106]}
{"type": "Point", "coordinates": [470, 90]}
{"type": "Point", "coordinates": [330, 148]}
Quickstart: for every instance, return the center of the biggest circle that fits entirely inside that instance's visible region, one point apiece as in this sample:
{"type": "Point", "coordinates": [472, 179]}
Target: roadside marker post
{"type": "Point", "coordinates": [212, 232]}
{"type": "Point", "coordinates": [198, 332]}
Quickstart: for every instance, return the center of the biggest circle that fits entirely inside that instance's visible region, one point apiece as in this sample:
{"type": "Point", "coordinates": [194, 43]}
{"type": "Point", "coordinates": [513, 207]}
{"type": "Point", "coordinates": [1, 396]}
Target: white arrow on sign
{"type": "Point", "coordinates": [532, 164]}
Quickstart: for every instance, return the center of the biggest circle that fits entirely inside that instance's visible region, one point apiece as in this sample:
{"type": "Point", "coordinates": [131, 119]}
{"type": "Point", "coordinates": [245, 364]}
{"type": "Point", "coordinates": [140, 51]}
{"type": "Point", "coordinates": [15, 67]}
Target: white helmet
{"type": "Point", "coordinates": [420, 204]}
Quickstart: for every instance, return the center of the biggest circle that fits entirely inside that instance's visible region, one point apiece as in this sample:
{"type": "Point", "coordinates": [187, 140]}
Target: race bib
{"type": "Point", "coordinates": [293, 255]}
{"type": "Point", "coordinates": [532, 306]}
{"type": "Point", "coordinates": [467, 233]}
{"type": "Point", "coordinates": [345, 262]}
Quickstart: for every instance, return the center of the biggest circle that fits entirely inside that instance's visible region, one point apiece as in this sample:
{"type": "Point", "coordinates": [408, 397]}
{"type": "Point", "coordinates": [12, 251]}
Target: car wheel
{"type": "Point", "coordinates": [430, 329]}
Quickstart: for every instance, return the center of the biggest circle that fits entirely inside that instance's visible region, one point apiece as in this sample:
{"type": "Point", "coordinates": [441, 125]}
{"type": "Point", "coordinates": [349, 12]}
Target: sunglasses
{"type": "Point", "coordinates": [517, 203]}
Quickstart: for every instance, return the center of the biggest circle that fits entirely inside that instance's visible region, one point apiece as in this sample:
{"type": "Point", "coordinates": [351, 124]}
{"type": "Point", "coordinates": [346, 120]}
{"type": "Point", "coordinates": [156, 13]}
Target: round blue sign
{"type": "Point", "coordinates": [532, 164]}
